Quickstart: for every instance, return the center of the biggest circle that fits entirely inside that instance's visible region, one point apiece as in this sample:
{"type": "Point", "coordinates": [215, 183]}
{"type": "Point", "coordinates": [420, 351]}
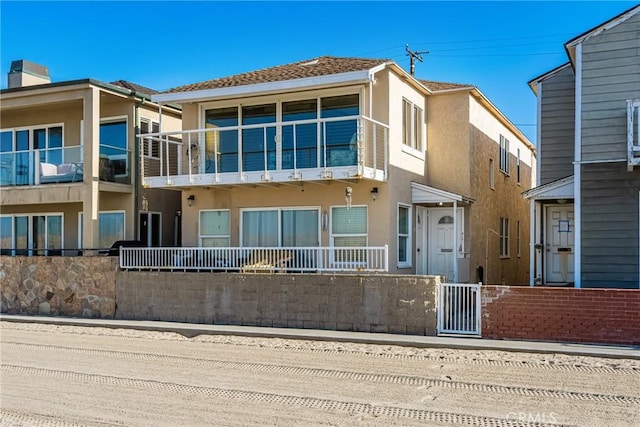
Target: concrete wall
{"type": "Point", "coordinates": [609, 316]}
{"type": "Point", "coordinates": [385, 303]}
{"type": "Point", "coordinates": [60, 286]}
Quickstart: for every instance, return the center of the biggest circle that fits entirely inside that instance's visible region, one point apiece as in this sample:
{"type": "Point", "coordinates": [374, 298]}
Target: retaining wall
{"type": "Point", "coordinates": [609, 316]}
{"type": "Point", "coordinates": [368, 303]}
{"type": "Point", "coordinates": [59, 286]}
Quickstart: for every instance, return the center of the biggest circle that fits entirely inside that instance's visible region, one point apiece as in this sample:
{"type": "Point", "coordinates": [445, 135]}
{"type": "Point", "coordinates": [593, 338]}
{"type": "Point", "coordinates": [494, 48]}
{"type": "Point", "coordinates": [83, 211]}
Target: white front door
{"type": "Point", "coordinates": [441, 243]}
{"type": "Point", "coordinates": [559, 244]}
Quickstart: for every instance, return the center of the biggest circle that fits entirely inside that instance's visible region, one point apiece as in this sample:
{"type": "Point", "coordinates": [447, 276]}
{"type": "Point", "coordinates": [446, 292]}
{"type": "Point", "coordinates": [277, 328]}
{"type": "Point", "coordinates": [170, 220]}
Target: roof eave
{"type": "Point", "coordinates": [352, 77]}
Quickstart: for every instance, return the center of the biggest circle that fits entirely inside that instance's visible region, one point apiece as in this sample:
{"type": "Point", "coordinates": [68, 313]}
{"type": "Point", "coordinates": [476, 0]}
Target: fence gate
{"type": "Point", "coordinates": [459, 309]}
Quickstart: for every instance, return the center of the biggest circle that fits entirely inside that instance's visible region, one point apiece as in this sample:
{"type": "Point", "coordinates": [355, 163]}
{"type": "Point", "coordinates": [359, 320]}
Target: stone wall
{"type": "Point", "coordinates": [369, 303]}
{"type": "Point", "coordinates": [607, 316]}
{"type": "Point", "coordinates": [58, 286]}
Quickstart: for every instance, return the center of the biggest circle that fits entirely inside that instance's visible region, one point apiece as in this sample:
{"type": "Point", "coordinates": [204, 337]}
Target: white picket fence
{"type": "Point", "coordinates": [258, 259]}
{"type": "Point", "coordinates": [459, 309]}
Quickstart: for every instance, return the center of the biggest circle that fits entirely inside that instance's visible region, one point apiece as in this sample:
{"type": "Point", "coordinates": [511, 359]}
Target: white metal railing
{"type": "Point", "coordinates": [633, 132]}
{"type": "Point", "coordinates": [256, 259]}
{"type": "Point", "coordinates": [459, 309]}
{"type": "Point", "coordinates": [277, 151]}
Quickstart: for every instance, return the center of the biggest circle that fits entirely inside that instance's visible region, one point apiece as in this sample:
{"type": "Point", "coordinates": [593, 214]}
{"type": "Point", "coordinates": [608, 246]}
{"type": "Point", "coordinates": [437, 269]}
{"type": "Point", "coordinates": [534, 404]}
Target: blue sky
{"type": "Point", "coordinates": [497, 46]}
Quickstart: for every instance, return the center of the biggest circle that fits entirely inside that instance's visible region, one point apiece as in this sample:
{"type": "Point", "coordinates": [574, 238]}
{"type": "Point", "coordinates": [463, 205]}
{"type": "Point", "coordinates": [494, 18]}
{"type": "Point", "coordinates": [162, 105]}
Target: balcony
{"type": "Point", "coordinates": [34, 167]}
{"type": "Point", "coordinates": [633, 133]}
{"type": "Point", "coordinates": [306, 150]}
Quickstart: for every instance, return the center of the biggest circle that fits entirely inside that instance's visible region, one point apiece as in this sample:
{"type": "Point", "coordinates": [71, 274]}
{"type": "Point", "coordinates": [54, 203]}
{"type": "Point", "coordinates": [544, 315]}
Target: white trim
{"type": "Point", "coordinates": [278, 210]}
{"type": "Point", "coordinates": [539, 133]}
{"type": "Point", "coordinates": [214, 235]}
{"type": "Point", "coordinates": [421, 193]}
{"type": "Point", "coordinates": [331, 235]}
{"type": "Point", "coordinates": [562, 188]}
{"type": "Point", "coordinates": [577, 268]}
{"type": "Point", "coordinates": [532, 241]}
{"type": "Point", "coordinates": [409, 245]}
{"type": "Point", "coordinates": [264, 88]}
{"type": "Point", "coordinates": [603, 27]}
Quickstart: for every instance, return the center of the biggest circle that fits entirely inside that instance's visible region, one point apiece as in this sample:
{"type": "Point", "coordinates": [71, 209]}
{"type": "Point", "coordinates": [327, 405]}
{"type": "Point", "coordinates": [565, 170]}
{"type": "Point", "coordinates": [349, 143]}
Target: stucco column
{"type": "Point", "coordinates": [91, 158]}
{"type": "Point", "coordinates": [455, 242]}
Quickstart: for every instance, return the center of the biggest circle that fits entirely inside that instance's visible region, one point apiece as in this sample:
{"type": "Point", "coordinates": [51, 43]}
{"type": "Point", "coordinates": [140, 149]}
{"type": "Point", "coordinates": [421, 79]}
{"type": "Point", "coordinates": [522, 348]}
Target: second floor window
{"type": "Point", "coordinates": [504, 237]}
{"type": "Point", "coordinates": [412, 129]}
{"type": "Point", "coordinates": [114, 153]}
{"type": "Point", "coordinates": [504, 154]}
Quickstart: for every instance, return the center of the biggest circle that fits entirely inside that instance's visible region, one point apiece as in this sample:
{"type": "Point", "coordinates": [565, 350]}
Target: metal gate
{"type": "Point", "coordinates": [459, 309]}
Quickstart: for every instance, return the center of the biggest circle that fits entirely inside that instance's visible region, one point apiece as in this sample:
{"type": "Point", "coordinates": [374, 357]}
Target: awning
{"type": "Point", "coordinates": [421, 193]}
{"type": "Point", "coordinates": [558, 189]}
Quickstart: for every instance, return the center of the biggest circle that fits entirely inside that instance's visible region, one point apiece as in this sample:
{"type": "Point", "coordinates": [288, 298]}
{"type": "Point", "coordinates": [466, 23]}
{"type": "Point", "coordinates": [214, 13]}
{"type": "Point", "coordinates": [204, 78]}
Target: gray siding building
{"type": "Point", "coordinates": [586, 207]}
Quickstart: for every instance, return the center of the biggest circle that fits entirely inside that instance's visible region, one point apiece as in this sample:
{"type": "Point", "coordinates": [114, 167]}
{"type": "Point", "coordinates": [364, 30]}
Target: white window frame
{"type": "Point", "coordinates": [504, 155]}
{"type": "Point", "coordinates": [215, 236]}
{"type": "Point", "coordinates": [147, 149]}
{"type": "Point", "coordinates": [332, 235]}
{"type": "Point", "coordinates": [518, 166]}
{"type": "Point", "coordinates": [279, 210]}
{"type": "Point", "coordinates": [415, 122]}
{"type": "Point", "coordinates": [408, 242]}
{"type": "Point", "coordinates": [30, 237]}
{"type": "Point", "coordinates": [518, 240]}
{"type": "Point", "coordinates": [504, 237]}
{"type": "Point", "coordinates": [80, 220]}
{"type": "Point", "coordinates": [492, 175]}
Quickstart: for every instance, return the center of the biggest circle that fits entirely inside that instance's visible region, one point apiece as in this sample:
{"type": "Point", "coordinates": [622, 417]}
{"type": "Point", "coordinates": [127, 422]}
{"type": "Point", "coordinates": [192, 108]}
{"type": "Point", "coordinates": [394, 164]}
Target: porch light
{"type": "Point", "coordinates": [374, 193]}
{"type": "Point", "coordinates": [191, 199]}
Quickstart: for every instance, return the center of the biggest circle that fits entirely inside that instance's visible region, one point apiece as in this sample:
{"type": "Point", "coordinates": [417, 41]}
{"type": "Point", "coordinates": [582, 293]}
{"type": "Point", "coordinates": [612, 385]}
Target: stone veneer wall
{"type": "Point", "coordinates": [400, 304]}
{"type": "Point", "coordinates": [58, 286]}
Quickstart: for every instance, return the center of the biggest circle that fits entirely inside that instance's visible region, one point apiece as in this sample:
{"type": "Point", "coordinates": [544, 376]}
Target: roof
{"type": "Point", "coordinates": [434, 86]}
{"type": "Point", "coordinates": [320, 66]}
{"type": "Point", "coordinates": [559, 189]}
{"type": "Point", "coordinates": [134, 87]}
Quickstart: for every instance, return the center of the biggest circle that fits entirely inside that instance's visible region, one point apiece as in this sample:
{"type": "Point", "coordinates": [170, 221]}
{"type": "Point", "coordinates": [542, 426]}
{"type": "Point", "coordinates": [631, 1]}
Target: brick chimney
{"type": "Point", "coordinates": [26, 73]}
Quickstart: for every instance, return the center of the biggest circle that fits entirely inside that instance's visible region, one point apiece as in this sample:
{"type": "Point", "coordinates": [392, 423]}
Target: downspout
{"type": "Point", "coordinates": [136, 163]}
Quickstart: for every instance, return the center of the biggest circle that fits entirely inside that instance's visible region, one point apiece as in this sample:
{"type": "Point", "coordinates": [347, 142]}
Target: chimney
{"type": "Point", "coordinates": [26, 73]}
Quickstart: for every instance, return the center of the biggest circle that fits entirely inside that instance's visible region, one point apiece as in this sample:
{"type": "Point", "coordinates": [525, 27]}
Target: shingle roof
{"type": "Point", "coordinates": [321, 66]}
{"type": "Point", "coordinates": [134, 87]}
{"type": "Point", "coordinates": [437, 86]}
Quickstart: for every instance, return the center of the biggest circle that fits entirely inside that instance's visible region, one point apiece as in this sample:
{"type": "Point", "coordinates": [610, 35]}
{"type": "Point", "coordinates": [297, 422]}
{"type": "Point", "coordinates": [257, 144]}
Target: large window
{"type": "Point", "coordinates": [518, 240]}
{"type": "Point", "coordinates": [288, 227]}
{"type": "Point", "coordinates": [349, 226]}
{"type": "Point", "coordinates": [504, 237]}
{"type": "Point", "coordinates": [114, 151]}
{"type": "Point", "coordinates": [404, 236]}
{"type": "Point", "coordinates": [111, 228]}
{"type": "Point", "coordinates": [31, 234]}
{"type": "Point", "coordinates": [312, 132]}
{"type": "Point", "coordinates": [151, 147]}
{"type": "Point", "coordinates": [214, 228]}
{"type": "Point", "coordinates": [412, 126]}
{"type": "Point", "coordinates": [504, 154]}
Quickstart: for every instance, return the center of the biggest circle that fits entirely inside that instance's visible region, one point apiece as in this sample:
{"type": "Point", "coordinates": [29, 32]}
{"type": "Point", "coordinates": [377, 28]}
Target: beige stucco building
{"type": "Point", "coordinates": [69, 165]}
{"type": "Point", "coordinates": [335, 152]}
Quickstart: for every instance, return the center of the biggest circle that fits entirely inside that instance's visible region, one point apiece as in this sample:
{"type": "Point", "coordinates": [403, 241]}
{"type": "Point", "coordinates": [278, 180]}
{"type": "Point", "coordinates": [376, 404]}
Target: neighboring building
{"type": "Point", "coordinates": [334, 152]}
{"type": "Point", "coordinates": [585, 212]}
{"type": "Point", "coordinates": [69, 172]}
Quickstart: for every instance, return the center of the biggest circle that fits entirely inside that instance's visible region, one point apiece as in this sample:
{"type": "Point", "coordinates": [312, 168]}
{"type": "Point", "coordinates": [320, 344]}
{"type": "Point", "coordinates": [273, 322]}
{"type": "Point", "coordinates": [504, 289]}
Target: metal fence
{"type": "Point", "coordinates": [256, 259]}
{"type": "Point", "coordinates": [459, 309]}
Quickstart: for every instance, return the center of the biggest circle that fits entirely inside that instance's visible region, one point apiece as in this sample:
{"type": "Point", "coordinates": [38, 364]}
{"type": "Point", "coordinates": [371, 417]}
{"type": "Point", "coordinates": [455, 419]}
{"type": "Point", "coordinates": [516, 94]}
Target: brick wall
{"type": "Point", "coordinates": [369, 303]}
{"type": "Point", "coordinates": [608, 316]}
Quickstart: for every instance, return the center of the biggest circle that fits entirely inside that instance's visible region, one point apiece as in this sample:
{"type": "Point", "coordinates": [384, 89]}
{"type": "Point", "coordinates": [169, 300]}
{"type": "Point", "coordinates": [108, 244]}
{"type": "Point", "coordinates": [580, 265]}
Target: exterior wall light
{"type": "Point", "coordinates": [374, 193]}
{"type": "Point", "coordinates": [191, 199]}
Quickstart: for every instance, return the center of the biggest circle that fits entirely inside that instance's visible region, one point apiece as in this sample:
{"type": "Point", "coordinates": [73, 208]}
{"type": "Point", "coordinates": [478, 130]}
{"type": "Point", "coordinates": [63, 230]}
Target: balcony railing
{"type": "Point", "coordinates": [258, 260]}
{"type": "Point", "coordinates": [55, 165]}
{"type": "Point", "coordinates": [342, 147]}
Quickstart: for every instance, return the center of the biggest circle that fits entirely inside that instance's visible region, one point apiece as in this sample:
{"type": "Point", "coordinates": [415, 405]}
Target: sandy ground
{"type": "Point", "coordinates": [64, 375]}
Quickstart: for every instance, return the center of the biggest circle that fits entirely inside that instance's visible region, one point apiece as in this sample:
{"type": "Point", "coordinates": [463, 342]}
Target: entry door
{"type": "Point", "coordinates": [151, 228]}
{"type": "Point", "coordinates": [559, 244]}
{"type": "Point", "coordinates": [441, 242]}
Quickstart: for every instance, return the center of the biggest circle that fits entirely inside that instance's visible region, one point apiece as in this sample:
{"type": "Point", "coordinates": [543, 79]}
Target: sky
{"type": "Point", "coordinates": [496, 46]}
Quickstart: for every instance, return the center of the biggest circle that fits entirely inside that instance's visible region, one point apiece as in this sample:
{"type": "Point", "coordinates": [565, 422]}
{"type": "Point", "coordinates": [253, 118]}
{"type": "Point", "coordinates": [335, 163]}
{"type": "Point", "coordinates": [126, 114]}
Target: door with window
{"type": "Point", "coordinates": [435, 248]}
{"type": "Point", "coordinates": [559, 244]}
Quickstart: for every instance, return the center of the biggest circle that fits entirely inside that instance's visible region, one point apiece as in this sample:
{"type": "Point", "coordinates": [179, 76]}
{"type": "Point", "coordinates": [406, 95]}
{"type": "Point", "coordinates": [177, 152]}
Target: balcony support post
{"type": "Point", "coordinates": [91, 172]}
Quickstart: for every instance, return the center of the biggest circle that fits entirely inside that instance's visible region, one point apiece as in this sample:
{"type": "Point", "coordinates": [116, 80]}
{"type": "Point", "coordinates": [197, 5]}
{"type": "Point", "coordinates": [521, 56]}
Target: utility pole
{"type": "Point", "coordinates": [413, 56]}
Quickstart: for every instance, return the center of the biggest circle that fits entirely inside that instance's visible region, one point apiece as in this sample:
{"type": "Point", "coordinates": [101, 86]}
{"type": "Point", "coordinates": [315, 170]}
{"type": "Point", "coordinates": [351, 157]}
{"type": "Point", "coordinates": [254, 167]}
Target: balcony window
{"type": "Point", "coordinates": [114, 151]}
{"type": "Point", "coordinates": [221, 147]}
{"type": "Point", "coordinates": [300, 139]}
{"type": "Point", "coordinates": [340, 136]}
{"type": "Point", "coordinates": [259, 144]}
